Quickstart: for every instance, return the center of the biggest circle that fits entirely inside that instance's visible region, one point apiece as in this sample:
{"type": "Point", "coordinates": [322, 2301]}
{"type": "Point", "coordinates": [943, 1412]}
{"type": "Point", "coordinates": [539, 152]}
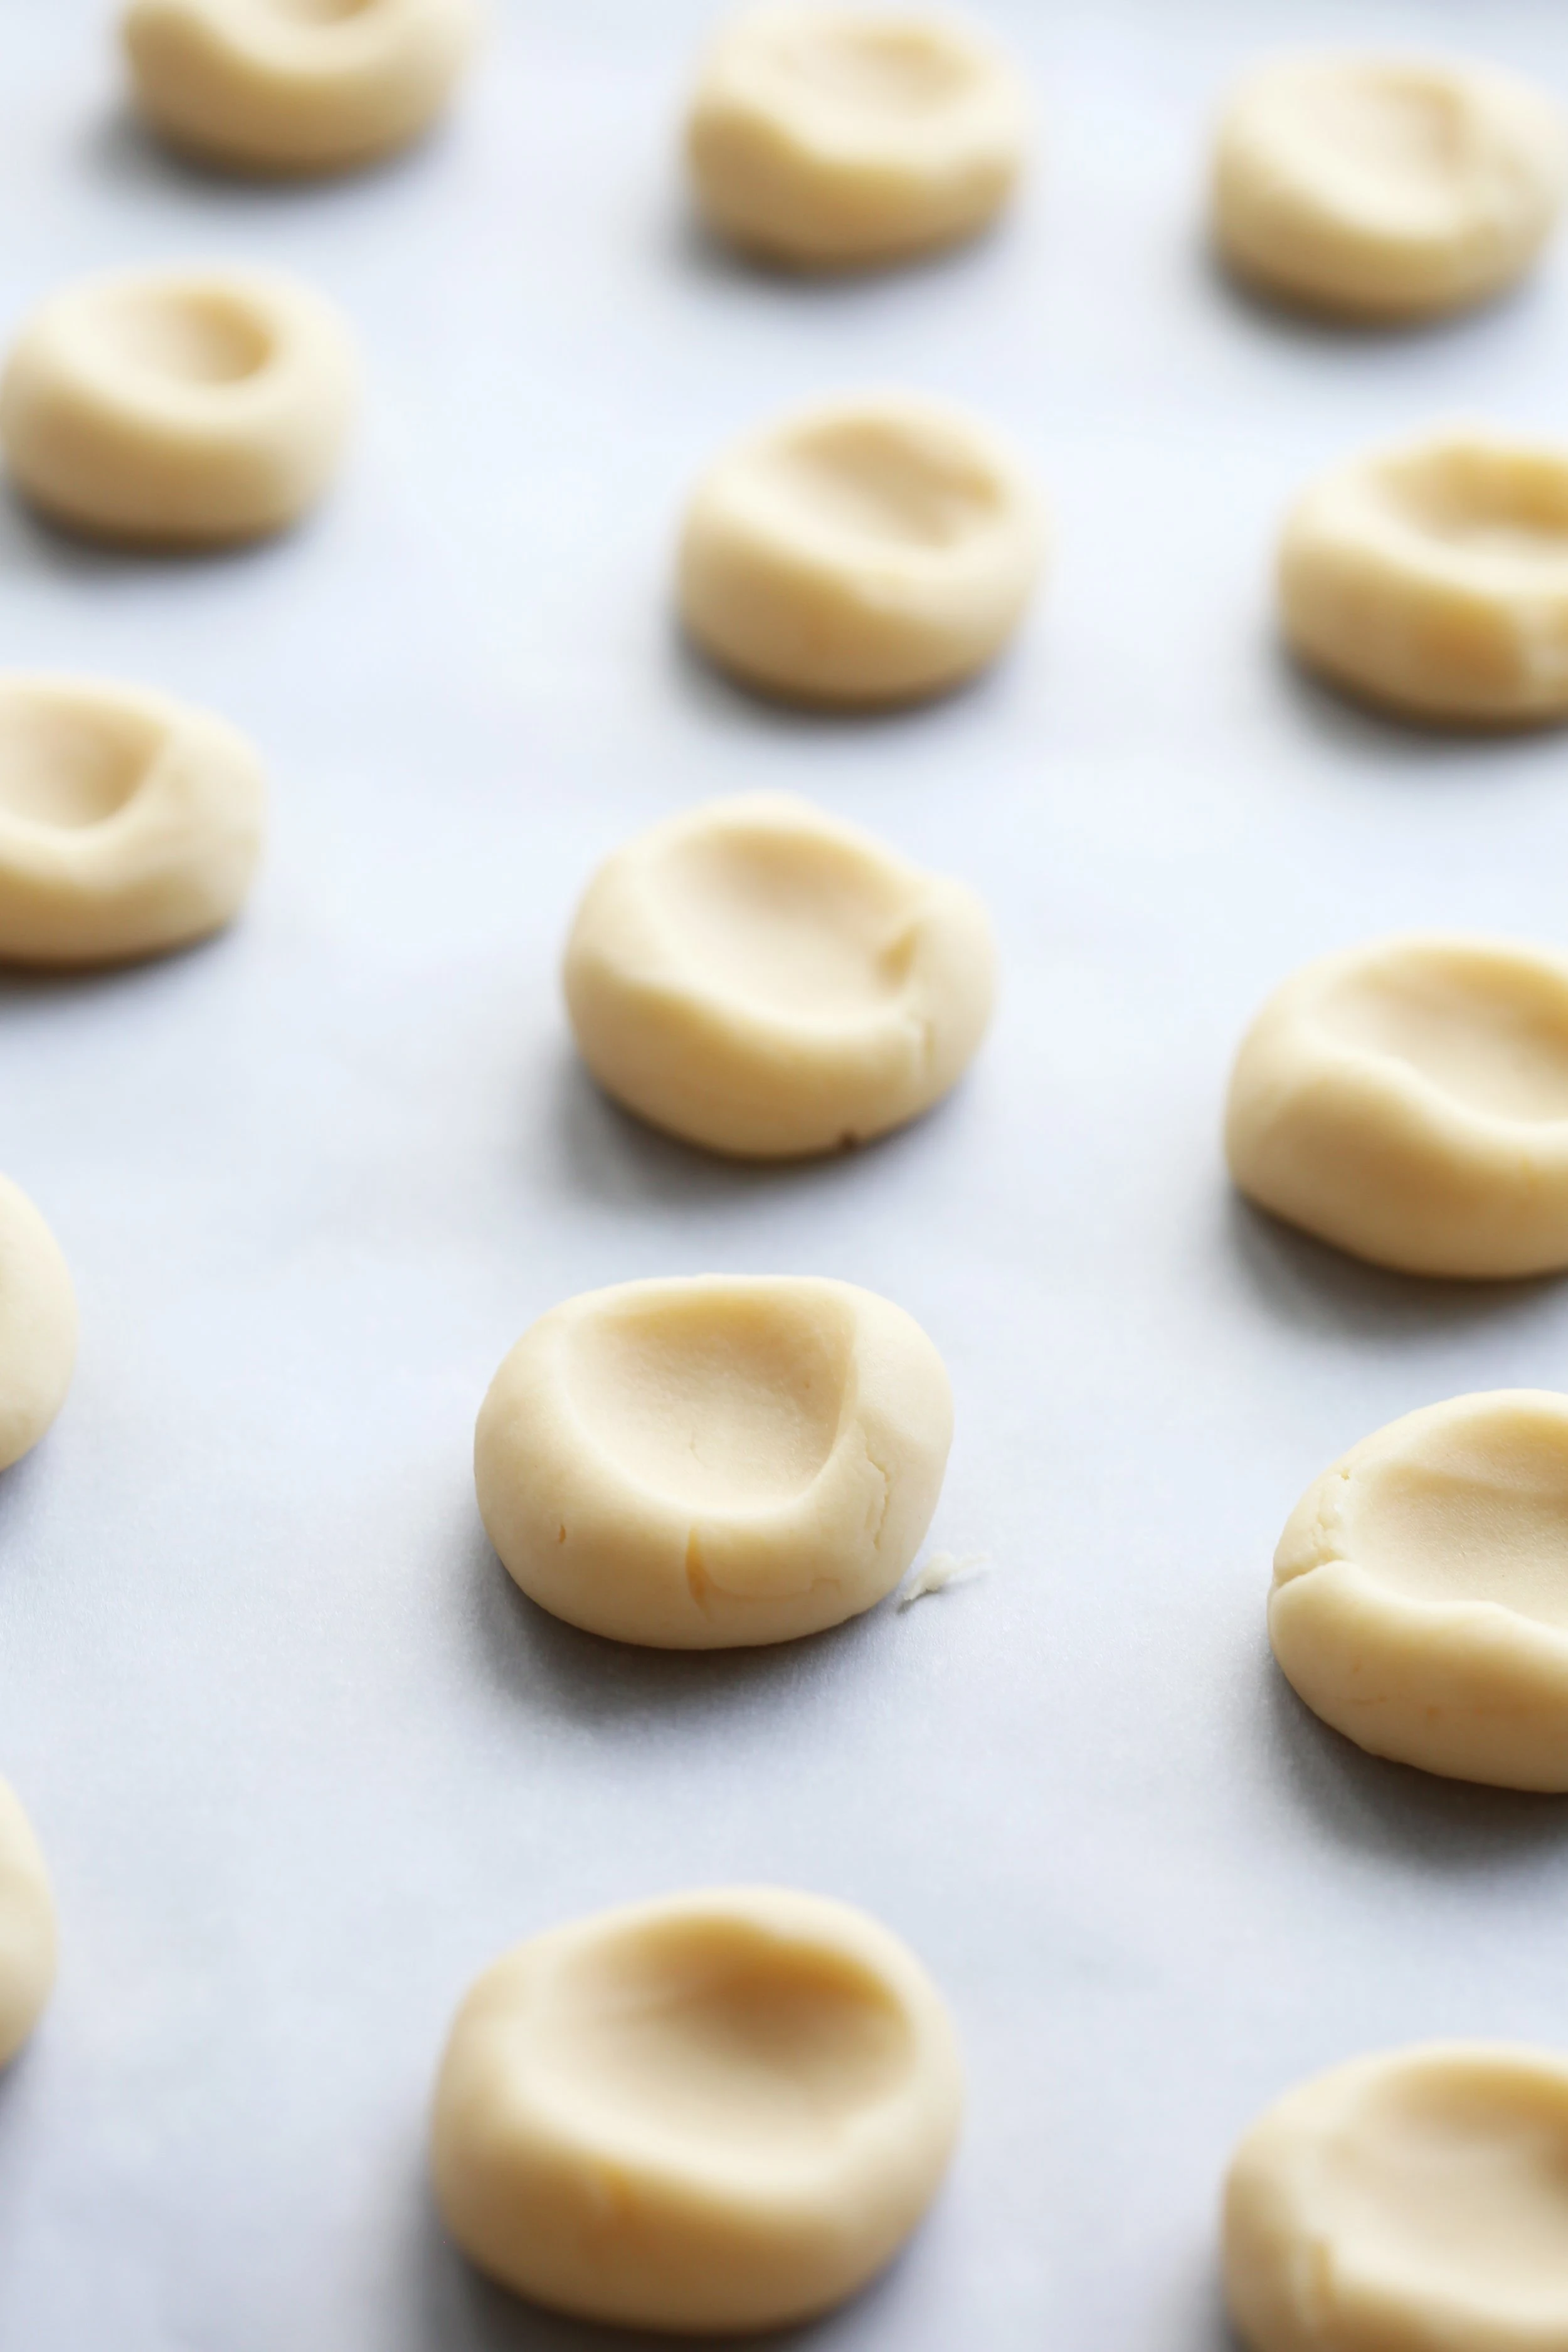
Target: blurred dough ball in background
{"type": "Point", "coordinates": [1385, 188]}
{"type": "Point", "coordinates": [839, 137]}
{"type": "Point", "coordinates": [295, 86]}
{"type": "Point", "coordinates": [27, 1928]}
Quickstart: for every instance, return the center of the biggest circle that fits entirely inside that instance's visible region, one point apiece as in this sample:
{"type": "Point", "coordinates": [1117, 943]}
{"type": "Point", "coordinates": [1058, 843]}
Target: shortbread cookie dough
{"type": "Point", "coordinates": [129, 823]}
{"type": "Point", "coordinates": [831, 138]}
{"type": "Point", "coordinates": [293, 86]}
{"type": "Point", "coordinates": [38, 1325]}
{"type": "Point", "coordinates": [720, 2112]}
{"type": "Point", "coordinates": [1417, 2198]}
{"type": "Point", "coordinates": [1385, 188]}
{"type": "Point", "coordinates": [1420, 1600]}
{"type": "Point", "coordinates": [26, 1927]}
{"type": "Point", "coordinates": [757, 977]}
{"type": "Point", "coordinates": [873, 550]}
{"type": "Point", "coordinates": [178, 408]}
{"type": "Point", "coordinates": [1433, 579]}
{"type": "Point", "coordinates": [1408, 1100]}
{"type": "Point", "coordinates": [707, 1463]}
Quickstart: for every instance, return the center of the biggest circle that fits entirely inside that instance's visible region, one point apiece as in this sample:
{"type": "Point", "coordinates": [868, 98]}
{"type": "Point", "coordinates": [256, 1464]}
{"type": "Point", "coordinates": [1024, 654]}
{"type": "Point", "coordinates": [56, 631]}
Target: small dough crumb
{"type": "Point", "coordinates": [758, 978]}
{"type": "Point", "coordinates": [1417, 2198]}
{"type": "Point", "coordinates": [1408, 1100]}
{"type": "Point", "coordinates": [178, 408]}
{"type": "Point", "coordinates": [295, 86]}
{"type": "Point", "coordinates": [718, 2113]}
{"type": "Point", "coordinates": [941, 1572]}
{"type": "Point", "coordinates": [844, 137]}
{"type": "Point", "coordinates": [27, 1934]}
{"type": "Point", "coordinates": [713, 1462]}
{"type": "Point", "coordinates": [129, 823]}
{"type": "Point", "coordinates": [1432, 579]}
{"type": "Point", "coordinates": [1420, 1600]}
{"type": "Point", "coordinates": [38, 1325]}
{"type": "Point", "coordinates": [1385, 188]}
{"type": "Point", "coordinates": [877, 550]}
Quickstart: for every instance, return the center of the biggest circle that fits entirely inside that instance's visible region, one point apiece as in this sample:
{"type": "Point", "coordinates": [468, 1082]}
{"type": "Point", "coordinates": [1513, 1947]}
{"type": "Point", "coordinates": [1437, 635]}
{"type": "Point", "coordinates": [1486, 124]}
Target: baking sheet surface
{"type": "Point", "coordinates": [302, 1759]}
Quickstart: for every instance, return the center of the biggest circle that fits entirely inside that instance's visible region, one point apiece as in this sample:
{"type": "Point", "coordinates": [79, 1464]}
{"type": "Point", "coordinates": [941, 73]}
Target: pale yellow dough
{"type": "Point", "coordinates": [129, 823]}
{"type": "Point", "coordinates": [1420, 1600]}
{"type": "Point", "coordinates": [1385, 188]}
{"type": "Point", "coordinates": [26, 1927]}
{"type": "Point", "coordinates": [1412, 2202]}
{"type": "Point", "coordinates": [875, 550]}
{"type": "Point", "coordinates": [295, 86]}
{"type": "Point", "coordinates": [711, 1462]}
{"type": "Point", "coordinates": [1408, 1100]}
{"type": "Point", "coordinates": [178, 408]}
{"type": "Point", "coordinates": [38, 1325]}
{"type": "Point", "coordinates": [757, 977]}
{"type": "Point", "coordinates": [832, 138]}
{"type": "Point", "coordinates": [720, 2112]}
{"type": "Point", "coordinates": [1432, 578]}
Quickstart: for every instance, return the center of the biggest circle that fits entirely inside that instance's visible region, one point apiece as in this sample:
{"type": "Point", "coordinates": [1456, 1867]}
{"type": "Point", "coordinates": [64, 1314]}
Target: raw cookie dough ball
{"type": "Point", "coordinates": [1420, 1600]}
{"type": "Point", "coordinates": [178, 408]}
{"type": "Point", "coordinates": [1433, 579]}
{"type": "Point", "coordinates": [294, 85]}
{"type": "Point", "coordinates": [27, 1928]}
{"type": "Point", "coordinates": [129, 823]}
{"type": "Point", "coordinates": [38, 1325]}
{"type": "Point", "coordinates": [707, 1463]}
{"type": "Point", "coordinates": [1417, 2198]}
{"type": "Point", "coordinates": [1385, 188]}
{"type": "Point", "coordinates": [836, 138]}
{"type": "Point", "coordinates": [1408, 1101]}
{"type": "Point", "coordinates": [758, 978]}
{"type": "Point", "coordinates": [720, 2112]}
{"type": "Point", "coordinates": [876, 550]}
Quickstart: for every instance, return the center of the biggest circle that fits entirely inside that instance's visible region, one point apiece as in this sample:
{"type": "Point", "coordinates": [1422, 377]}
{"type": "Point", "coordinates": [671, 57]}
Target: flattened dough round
{"type": "Point", "coordinates": [129, 823]}
{"type": "Point", "coordinates": [832, 138]}
{"type": "Point", "coordinates": [1408, 1101]}
{"type": "Point", "coordinates": [875, 550]}
{"type": "Point", "coordinates": [1433, 579]}
{"type": "Point", "coordinates": [1420, 1600]}
{"type": "Point", "coordinates": [27, 1928]}
{"type": "Point", "coordinates": [757, 977]}
{"type": "Point", "coordinates": [38, 1325]}
{"type": "Point", "coordinates": [720, 2112]}
{"type": "Point", "coordinates": [1416, 2198]}
{"type": "Point", "coordinates": [713, 1463]}
{"type": "Point", "coordinates": [295, 86]}
{"type": "Point", "coordinates": [1385, 188]}
{"type": "Point", "coordinates": [178, 408]}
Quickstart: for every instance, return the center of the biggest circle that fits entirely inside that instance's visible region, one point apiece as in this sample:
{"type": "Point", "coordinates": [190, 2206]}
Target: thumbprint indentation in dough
{"type": "Point", "coordinates": [68, 766]}
{"type": "Point", "coordinates": [1403, 128]}
{"type": "Point", "coordinates": [799, 924]}
{"type": "Point", "coordinates": [1483, 1515]}
{"type": "Point", "coordinates": [719, 1399]}
{"type": "Point", "coordinates": [901, 69]}
{"type": "Point", "coordinates": [1480, 498]}
{"type": "Point", "coordinates": [759, 2053]}
{"type": "Point", "coordinates": [193, 336]}
{"type": "Point", "coordinates": [1469, 1027]}
{"type": "Point", "coordinates": [854, 478]}
{"type": "Point", "coordinates": [324, 12]}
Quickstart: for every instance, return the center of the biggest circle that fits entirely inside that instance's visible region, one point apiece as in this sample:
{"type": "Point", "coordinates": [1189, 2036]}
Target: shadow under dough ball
{"type": "Point", "coordinates": [179, 407]}
{"type": "Point", "coordinates": [1416, 2199]}
{"type": "Point", "coordinates": [1383, 189]}
{"type": "Point", "coordinates": [1420, 1598]}
{"type": "Point", "coordinates": [841, 138]}
{"type": "Point", "coordinates": [295, 86]}
{"type": "Point", "coordinates": [713, 1462]}
{"type": "Point", "coordinates": [758, 977]}
{"type": "Point", "coordinates": [1431, 579]}
{"type": "Point", "coordinates": [1408, 1100]}
{"type": "Point", "coordinates": [876, 550]}
{"type": "Point", "coordinates": [717, 2113]}
{"type": "Point", "coordinates": [129, 824]}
